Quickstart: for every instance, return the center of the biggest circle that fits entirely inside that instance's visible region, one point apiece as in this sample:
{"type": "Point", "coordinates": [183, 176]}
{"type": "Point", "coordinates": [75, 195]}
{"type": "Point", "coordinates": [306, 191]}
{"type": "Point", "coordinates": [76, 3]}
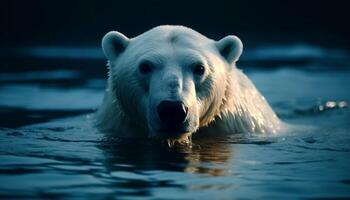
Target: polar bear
{"type": "Point", "coordinates": [172, 81]}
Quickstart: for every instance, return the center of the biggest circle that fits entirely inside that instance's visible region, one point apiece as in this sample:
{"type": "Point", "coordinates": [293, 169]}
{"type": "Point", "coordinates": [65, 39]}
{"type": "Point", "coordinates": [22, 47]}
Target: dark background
{"type": "Point", "coordinates": [83, 23]}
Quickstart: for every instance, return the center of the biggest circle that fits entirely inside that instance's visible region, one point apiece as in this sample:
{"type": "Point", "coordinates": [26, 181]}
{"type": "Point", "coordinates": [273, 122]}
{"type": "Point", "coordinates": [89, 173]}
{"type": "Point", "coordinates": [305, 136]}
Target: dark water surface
{"type": "Point", "coordinates": [50, 149]}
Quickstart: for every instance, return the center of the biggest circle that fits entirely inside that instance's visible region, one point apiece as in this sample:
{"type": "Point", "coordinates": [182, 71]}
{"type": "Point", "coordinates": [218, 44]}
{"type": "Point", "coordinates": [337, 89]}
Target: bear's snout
{"type": "Point", "coordinates": [172, 113]}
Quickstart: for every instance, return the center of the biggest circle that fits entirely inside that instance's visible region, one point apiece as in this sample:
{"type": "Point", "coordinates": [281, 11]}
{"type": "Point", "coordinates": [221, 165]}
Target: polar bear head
{"type": "Point", "coordinates": [171, 80]}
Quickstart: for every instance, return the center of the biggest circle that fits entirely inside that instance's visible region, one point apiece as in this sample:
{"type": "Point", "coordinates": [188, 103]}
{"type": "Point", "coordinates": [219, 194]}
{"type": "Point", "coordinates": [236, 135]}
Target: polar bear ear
{"type": "Point", "coordinates": [230, 47]}
{"type": "Point", "coordinates": [114, 43]}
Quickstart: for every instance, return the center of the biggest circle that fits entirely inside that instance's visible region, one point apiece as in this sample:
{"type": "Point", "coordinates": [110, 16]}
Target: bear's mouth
{"type": "Point", "coordinates": [176, 140]}
{"type": "Point", "coordinates": [180, 142]}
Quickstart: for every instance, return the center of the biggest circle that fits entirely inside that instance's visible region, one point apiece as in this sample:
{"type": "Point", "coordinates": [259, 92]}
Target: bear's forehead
{"type": "Point", "coordinates": [172, 35]}
{"type": "Point", "coordinates": [170, 43]}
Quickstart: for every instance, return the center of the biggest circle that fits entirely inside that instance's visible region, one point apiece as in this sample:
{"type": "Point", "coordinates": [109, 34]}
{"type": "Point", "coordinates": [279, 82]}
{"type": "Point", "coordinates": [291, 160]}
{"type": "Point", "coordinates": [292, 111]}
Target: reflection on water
{"type": "Point", "coordinates": [50, 149]}
{"type": "Point", "coordinates": [207, 157]}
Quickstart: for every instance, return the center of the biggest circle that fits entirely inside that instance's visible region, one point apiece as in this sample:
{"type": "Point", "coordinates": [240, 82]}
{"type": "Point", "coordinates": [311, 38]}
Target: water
{"type": "Point", "coordinates": [50, 149]}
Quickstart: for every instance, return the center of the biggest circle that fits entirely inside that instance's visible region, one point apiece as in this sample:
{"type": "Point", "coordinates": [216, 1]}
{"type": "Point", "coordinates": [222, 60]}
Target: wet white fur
{"type": "Point", "coordinates": [224, 102]}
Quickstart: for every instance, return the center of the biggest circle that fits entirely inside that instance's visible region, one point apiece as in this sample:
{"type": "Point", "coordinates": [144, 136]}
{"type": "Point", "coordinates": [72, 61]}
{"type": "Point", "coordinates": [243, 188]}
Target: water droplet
{"type": "Point", "coordinates": [320, 108]}
{"type": "Point", "coordinates": [342, 104]}
{"type": "Point", "coordinates": [331, 104]}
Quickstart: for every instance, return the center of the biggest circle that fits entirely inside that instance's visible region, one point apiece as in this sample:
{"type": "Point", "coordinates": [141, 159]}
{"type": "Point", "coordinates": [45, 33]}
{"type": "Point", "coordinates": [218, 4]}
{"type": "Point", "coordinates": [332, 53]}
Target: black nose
{"type": "Point", "coordinates": [172, 113]}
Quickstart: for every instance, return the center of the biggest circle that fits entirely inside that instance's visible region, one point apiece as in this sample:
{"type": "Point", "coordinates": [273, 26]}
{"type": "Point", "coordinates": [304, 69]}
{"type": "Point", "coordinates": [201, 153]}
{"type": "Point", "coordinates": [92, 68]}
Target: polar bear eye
{"type": "Point", "coordinates": [199, 69]}
{"type": "Point", "coordinates": [145, 67]}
